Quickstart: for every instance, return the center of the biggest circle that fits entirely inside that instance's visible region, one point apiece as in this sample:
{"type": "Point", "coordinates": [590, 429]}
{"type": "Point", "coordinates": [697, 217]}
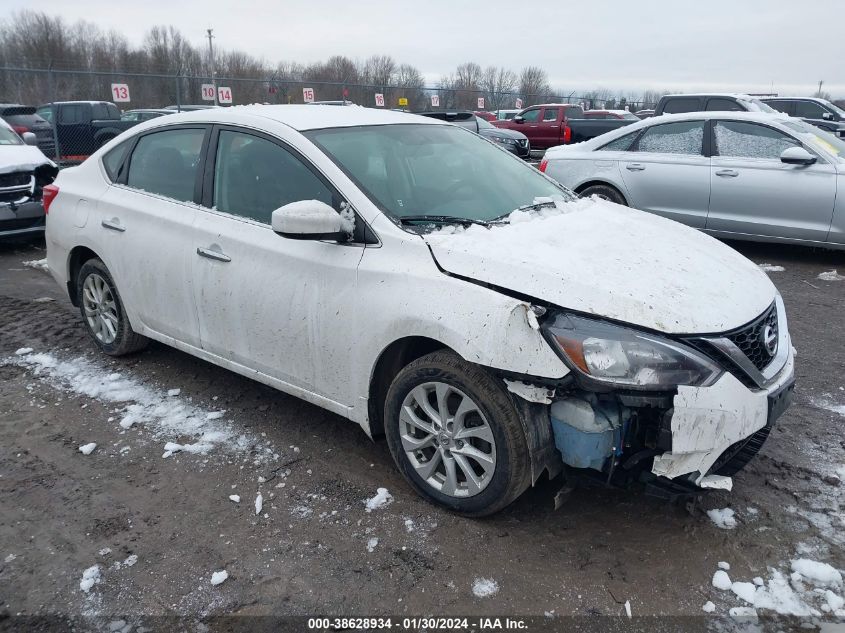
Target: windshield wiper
{"type": "Point", "coordinates": [526, 207]}
{"type": "Point", "coordinates": [442, 219]}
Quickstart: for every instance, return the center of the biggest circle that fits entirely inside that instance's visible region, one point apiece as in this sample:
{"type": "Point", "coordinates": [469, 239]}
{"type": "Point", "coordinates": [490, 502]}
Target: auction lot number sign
{"type": "Point", "coordinates": [120, 93]}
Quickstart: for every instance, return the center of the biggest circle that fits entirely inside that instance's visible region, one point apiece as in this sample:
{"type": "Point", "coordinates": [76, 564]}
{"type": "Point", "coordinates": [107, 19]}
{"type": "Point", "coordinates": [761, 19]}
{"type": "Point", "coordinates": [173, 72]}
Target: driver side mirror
{"type": "Point", "coordinates": [29, 138]}
{"type": "Point", "coordinates": [827, 116]}
{"type": "Point", "coordinates": [519, 119]}
{"type": "Point", "coordinates": [309, 220]}
{"type": "Point", "coordinates": [797, 156]}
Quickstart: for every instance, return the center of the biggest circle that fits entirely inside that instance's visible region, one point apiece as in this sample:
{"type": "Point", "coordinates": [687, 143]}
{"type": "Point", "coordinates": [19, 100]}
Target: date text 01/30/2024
{"type": "Point", "coordinates": [413, 624]}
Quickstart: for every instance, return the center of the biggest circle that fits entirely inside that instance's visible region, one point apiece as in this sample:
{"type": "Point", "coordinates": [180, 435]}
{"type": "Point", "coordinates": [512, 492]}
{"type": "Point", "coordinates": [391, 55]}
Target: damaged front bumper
{"type": "Point", "coordinates": [676, 442]}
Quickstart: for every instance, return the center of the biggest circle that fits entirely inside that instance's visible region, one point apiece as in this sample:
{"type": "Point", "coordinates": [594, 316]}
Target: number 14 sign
{"type": "Point", "coordinates": [120, 93]}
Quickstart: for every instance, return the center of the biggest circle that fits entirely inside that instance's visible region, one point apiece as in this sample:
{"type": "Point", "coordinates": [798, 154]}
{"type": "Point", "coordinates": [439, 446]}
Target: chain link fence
{"type": "Point", "coordinates": [72, 136]}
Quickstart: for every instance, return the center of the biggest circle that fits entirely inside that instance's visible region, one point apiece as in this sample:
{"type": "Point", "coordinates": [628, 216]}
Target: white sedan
{"type": "Point", "coordinates": [737, 175]}
{"type": "Point", "coordinates": [410, 276]}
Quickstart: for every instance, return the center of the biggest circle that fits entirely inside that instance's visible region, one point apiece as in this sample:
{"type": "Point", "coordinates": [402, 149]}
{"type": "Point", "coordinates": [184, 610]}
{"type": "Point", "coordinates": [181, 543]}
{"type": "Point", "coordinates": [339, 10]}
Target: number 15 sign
{"type": "Point", "coordinates": [120, 93]}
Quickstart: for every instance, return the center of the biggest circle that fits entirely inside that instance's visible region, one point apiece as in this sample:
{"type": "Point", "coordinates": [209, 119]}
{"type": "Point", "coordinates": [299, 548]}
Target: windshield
{"type": "Point", "coordinates": [8, 136]}
{"type": "Point", "coordinates": [414, 169]}
{"type": "Point", "coordinates": [484, 124]}
{"type": "Point", "coordinates": [817, 138]}
{"type": "Point", "coordinates": [755, 105]}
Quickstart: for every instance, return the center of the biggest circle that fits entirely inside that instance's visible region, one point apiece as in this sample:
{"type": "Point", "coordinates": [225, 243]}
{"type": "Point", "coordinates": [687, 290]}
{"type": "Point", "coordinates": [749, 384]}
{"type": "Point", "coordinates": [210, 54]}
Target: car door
{"type": "Point", "coordinates": [754, 193]}
{"type": "Point", "coordinates": [74, 131]}
{"type": "Point", "coordinates": [548, 126]}
{"type": "Point", "coordinates": [145, 222]}
{"type": "Point", "coordinates": [667, 172]}
{"type": "Point", "coordinates": [275, 305]}
{"type": "Point", "coordinates": [530, 126]}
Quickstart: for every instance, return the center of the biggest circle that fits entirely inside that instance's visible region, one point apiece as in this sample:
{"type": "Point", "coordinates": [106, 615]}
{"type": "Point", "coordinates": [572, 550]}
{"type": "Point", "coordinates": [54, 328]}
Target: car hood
{"type": "Point", "coordinates": [600, 258]}
{"type": "Point", "coordinates": [21, 158]}
{"type": "Point", "coordinates": [502, 133]}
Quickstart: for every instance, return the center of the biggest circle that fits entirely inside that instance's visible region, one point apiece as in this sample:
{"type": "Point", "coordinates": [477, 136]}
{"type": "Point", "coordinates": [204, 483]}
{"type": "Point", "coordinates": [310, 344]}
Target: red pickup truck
{"type": "Point", "coordinates": [553, 124]}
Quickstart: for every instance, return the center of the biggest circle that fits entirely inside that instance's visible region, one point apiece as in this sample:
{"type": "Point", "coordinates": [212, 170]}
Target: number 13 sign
{"type": "Point", "coordinates": [120, 93]}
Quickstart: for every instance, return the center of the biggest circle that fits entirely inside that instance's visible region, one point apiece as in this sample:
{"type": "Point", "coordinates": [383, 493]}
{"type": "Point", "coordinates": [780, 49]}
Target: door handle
{"type": "Point", "coordinates": [727, 173]}
{"type": "Point", "coordinates": [635, 167]}
{"type": "Point", "coordinates": [213, 254]}
{"type": "Point", "coordinates": [113, 225]}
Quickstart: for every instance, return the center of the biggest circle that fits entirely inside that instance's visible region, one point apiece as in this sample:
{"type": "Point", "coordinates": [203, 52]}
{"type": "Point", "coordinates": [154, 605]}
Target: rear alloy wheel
{"type": "Point", "coordinates": [455, 435]}
{"type": "Point", "coordinates": [103, 313]}
{"type": "Point", "coordinates": [605, 192]}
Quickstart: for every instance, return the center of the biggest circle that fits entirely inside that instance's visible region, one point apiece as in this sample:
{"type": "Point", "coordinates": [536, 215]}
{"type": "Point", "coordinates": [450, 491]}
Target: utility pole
{"type": "Point", "coordinates": [819, 93]}
{"type": "Point", "coordinates": [211, 59]}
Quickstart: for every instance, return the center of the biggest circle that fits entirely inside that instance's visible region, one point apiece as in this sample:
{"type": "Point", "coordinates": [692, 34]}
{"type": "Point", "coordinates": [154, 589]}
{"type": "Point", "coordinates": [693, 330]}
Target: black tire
{"type": "Point", "coordinates": [126, 341]}
{"type": "Point", "coordinates": [511, 475]}
{"type": "Point", "coordinates": [606, 192]}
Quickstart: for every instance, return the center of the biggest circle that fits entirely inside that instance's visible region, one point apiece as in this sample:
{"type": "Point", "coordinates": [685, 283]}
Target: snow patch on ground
{"type": "Point", "coordinates": [87, 449]}
{"type": "Point", "coordinates": [771, 268]}
{"type": "Point", "coordinates": [722, 518]}
{"type": "Point", "coordinates": [90, 577]}
{"type": "Point", "coordinates": [383, 498]}
{"type": "Point", "coordinates": [162, 414]}
{"type": "Point", "coordinates": [484, 587]}
{"type": "Point", "coordinates": [219, 576]}
{"type": "Point", "coordinates": [830, 275]}
{"type": "Point", "coordinates": [235, 498]}
{"type": "Point", "coordinates": [41, 264]}
{"type": "Point", "coordinates": [822, 403]}
{"type": "Point", "coordinates": [372, 542]}
{"type": "Point", "coordinates": [721, 580]}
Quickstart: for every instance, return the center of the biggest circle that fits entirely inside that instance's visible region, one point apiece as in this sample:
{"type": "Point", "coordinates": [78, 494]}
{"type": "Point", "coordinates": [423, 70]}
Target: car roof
{"type": "Point", "coordinates": [301, 117]}
{"type": "Point", "coordinates": [164, 110]}
{"type": "Point", "coordinates": [737, 95]}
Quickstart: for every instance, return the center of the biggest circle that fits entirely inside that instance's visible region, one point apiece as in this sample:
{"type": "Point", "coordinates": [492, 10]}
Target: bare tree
{"type": "Point", "coordinates": [533, 85]}
{"type": "Point", "coordinates": [498, 85]}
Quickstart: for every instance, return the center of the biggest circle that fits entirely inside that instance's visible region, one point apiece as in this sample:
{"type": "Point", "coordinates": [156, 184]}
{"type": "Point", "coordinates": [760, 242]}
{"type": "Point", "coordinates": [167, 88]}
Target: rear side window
{"type": "Point", "coordinates": [749, 140]}
{"type": "Point", "coordinates": [71, 114]}
{"type": "Point", "coordinates": [166, 163]}
{"type": "Point", "coordinates": [677, 106]}
{"type": "Point", "coordinates": [113, 160]}
{"type": "Point", "coordinates": [684, 137]}
{"type": "Point", "coordinates": [550, 114]}
{"type": "Point", "coordinates": [253, 177]}
{"type": "Point", "coordinates": [781, 106]}
{"type": "Point", "coordinates": [723, 105]}
{"type": "Point", "coordinates": [621, 144]}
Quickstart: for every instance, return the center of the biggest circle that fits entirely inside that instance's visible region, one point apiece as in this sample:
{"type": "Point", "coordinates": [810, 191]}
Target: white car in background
{"type": "Point", "coordinates": [737, 175]}
{"type": "Point", "coordinates": [406, 274]}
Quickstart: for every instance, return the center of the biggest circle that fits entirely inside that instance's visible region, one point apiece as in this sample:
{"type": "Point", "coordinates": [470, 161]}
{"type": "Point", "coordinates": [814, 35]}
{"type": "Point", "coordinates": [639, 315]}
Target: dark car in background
{"type": "Point", "coordinates": [819, 112]}
{"type": "Point", "coordinates": [23, 119]}
{"type": "Point", "coordinates": [710, 102]}
{"type": "Point", "coordinates": [514, 142]}
{"type": "Point", "coordinates": [83, 127]}
{"type": "Point", "coordinates": [144, 114]}
{"type": "Point", "coordinates": [551, 124]}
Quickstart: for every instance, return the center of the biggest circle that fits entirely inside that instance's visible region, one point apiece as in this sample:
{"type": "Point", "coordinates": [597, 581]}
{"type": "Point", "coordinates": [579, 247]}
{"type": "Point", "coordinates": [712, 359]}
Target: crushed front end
{"type": "Point", "coordinates": [677, 413]}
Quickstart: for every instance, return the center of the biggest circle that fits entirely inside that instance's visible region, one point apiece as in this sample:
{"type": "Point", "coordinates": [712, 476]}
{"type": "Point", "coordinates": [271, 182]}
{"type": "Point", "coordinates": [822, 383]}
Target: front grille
{"type": "Point", "coordinates": [15, 179]}
{"type": "Point", "coordinates": [752, 339]}
{"type": "Point", "coordinates": [522, 142]}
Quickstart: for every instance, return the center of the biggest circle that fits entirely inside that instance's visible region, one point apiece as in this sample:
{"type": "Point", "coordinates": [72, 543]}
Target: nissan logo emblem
{"type": "Point", "coordinates": [769, 338]}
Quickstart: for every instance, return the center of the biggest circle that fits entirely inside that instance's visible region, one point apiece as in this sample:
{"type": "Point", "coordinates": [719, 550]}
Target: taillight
{"type": "Point", "coordinates": [20, 129]}
{"type": "Point", "coordinates": [543, 164]}
{"type": "Point", "coordinates": [48, 194]}
{"type": "Point", "coordinates": [567, 133]}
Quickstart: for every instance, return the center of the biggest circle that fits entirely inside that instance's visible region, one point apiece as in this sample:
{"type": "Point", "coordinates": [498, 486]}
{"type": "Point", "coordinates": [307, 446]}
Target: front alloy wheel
{"type": "Point", "coordinates": [456, 435]}
{"type": "Point", "coordinates": [99, 308]}
{"type": "Point", "coordinates": [447, 439]}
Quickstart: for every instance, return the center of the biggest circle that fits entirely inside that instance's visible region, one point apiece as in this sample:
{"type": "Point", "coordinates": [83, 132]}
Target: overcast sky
{"type": "Point", "coordinates": [737, 45]}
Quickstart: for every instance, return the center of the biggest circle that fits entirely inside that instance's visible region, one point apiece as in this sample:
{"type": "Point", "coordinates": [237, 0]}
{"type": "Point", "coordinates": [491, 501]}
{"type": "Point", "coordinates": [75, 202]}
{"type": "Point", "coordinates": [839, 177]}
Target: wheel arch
{"type": "Point", "coordinates": [605, 183]}
{"type": "Point", "coordinates": [389, 363]}
{"type": "Point", "coordinates": [76, 258]}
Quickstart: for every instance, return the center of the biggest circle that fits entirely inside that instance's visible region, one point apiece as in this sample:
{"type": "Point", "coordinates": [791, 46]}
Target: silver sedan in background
{"type": "Point", "coordinates": [737, 175]}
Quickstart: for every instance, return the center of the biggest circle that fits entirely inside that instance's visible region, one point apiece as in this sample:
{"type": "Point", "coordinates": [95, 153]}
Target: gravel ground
{"type": "Point", "coordinates": [315, 549]}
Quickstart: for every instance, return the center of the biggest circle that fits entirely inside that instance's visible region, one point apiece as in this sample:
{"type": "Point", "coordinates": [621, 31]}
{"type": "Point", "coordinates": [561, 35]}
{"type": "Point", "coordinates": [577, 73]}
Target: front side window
{"type": "Point", "coordinates": [414, 169]}
{"type": "Point", "coordinates": [817, 139]}
{"type": "Point", "coordinates": [45, 113]}
{"type": "Point", "coordinates": [678, 106]}
{"type": "Point", "coordinates": [809, 110]}
{"type": "Point", "coordinates": [749, 140]}
{"type": "Point", "coordinates": [72, 114]}
{"type": "Point", "coordinates": [531, 115]}
{"type": "Point", "coordinates": [684, 137]}
{"type": "Point", "coordinates": [166, 163]}
{"type": "Point", "coordinates": [550, 114]}
{"type": "Point", "coordinates": [780, 106]}
{"type": "Point", "coordinates": [131, 116]}
{"type": "Point", "coordinates": [253, 177]}
{"type": "Point", "coordinates": [8, 136]}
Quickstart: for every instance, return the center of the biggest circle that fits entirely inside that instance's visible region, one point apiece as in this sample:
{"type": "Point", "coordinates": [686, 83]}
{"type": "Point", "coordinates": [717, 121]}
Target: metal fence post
{"type": "Point", "coordinates": [54, 113]}
{"type": "Point", "coordinates": [178, 95]}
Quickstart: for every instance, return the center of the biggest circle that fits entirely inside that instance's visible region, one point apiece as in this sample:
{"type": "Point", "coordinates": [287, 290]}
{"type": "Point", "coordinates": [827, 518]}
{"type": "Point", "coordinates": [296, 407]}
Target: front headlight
{"type": "Point", "coordinates": [503, 141]}
{"type": "Point", "coordinates": [626, 357]}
